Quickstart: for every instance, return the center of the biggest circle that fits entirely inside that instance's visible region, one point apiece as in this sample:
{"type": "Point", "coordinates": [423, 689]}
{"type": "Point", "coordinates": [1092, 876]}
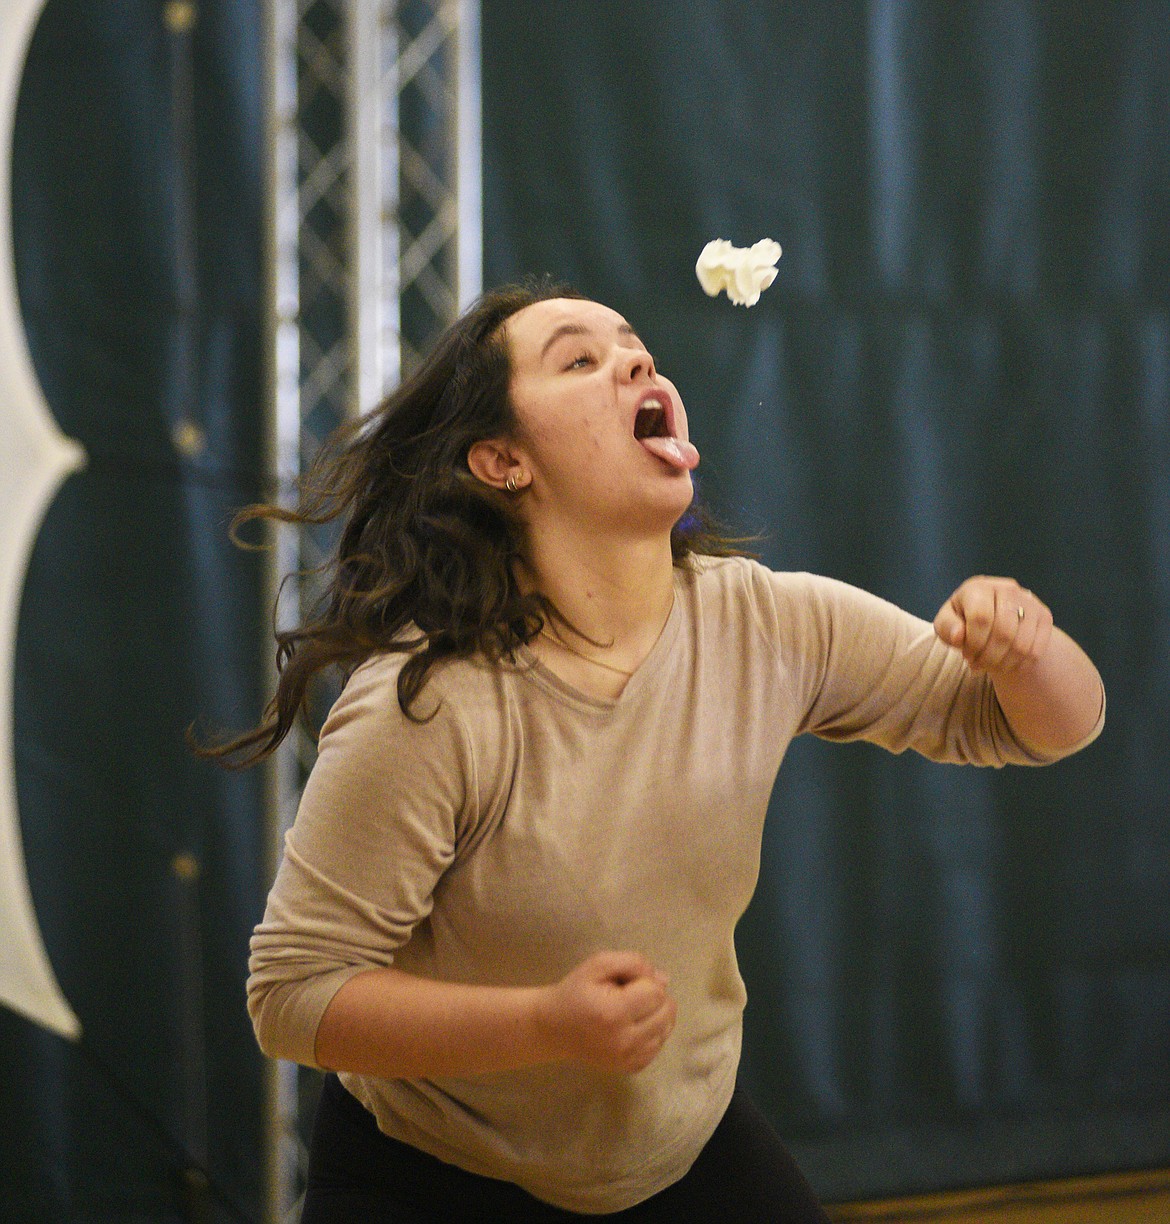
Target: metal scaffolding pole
{"type": "Point", "coordinates": [374, 245]}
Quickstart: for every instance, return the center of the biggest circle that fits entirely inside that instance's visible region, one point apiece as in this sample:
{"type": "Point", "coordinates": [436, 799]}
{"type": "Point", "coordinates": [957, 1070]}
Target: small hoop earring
{"type": "Point", "coordinates": [510, 483]}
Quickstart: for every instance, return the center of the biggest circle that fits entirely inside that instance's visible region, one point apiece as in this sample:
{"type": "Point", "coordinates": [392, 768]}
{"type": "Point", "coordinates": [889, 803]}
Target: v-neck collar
{"type": "Point", "coordinates": [533, 669]}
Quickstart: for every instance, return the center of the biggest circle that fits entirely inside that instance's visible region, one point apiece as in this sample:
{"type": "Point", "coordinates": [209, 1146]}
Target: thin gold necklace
{"type": "Point", "coordinates": [620, 671]}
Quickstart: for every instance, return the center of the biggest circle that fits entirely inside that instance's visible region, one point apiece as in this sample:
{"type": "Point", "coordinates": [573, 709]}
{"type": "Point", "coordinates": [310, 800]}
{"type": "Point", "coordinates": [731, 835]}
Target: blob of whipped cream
{"type": "Point", "coordinates": [744, 272]}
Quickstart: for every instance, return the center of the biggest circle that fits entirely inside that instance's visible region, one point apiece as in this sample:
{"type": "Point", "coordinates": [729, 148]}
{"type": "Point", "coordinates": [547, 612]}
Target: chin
{"type": "Point", "coordinates": [675, 504]}
{"type": "Point", "coordinates": [686, 492]}
{"type": "Point", "coordinates": [647, 509]}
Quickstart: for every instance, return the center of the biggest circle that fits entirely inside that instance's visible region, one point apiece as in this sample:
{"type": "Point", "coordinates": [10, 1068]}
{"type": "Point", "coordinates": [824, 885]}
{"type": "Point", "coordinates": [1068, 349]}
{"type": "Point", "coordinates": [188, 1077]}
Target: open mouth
{"type": "Point", "coordinates": [654, 417]}
{"type": "Point", "coordinates": [651, 421]}
{"type": "Point", "coordinates": [654, 425]}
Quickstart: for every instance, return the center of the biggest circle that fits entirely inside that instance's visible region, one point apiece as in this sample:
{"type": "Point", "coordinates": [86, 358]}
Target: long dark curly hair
{"type": "Point", "coordinates": [426, 563]}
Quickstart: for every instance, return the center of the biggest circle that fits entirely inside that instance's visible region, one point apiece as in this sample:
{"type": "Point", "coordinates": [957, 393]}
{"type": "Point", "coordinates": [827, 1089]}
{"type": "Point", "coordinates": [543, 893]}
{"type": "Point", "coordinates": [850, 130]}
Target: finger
{"type": "Point", "coordinates": [1035, 629]}
{"type": "Point", "coordinates": [948, 624]}
{"type": "Point", "coordinates": [975, 603]}
{"type": "Point", "coordinates": [1044, 628]}
{"type": "Point", "coordinates": [1007, 618]}
{"type": "Point", "coordinates": [640, 1058]}
{"type": "Point", "coordinates": [651, 1035]}
{"type": "Point", "coordinates": [662, 1013]}
{"type": "Point", "coordinates": [643, 999]}
{"type": "Point", "coordinates": [1022, 645]}
{"type": "Point", "coordinates": [619, 967]}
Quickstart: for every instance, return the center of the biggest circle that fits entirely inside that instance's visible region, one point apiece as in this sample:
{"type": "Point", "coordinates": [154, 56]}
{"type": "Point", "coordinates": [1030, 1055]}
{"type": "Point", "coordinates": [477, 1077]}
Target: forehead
{"type": "Point", "coordinates": [528, 330]}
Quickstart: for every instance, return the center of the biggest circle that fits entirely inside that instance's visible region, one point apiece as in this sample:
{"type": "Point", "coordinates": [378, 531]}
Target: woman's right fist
{"type": "Point", "coordinates": [612, 1012]}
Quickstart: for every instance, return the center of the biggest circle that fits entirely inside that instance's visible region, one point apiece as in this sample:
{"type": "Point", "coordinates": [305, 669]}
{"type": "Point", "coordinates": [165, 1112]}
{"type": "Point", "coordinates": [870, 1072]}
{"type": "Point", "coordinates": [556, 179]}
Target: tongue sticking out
{"type": "Point", "coordinates": [675, 451]}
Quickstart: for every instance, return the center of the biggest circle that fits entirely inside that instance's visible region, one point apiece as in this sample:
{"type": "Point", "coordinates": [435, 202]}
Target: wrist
{"type": "Point", "coordinates": [544, 1025]}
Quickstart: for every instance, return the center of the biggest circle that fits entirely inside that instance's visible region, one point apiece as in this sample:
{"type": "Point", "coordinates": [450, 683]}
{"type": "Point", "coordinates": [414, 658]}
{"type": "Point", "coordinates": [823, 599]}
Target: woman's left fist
{"type": "Point", "coordinates": [997, 624]}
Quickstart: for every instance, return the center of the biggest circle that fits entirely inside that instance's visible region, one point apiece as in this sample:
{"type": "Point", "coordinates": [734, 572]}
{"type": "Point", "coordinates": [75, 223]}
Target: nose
{"type": "Point", "coordinates": [635, 364]}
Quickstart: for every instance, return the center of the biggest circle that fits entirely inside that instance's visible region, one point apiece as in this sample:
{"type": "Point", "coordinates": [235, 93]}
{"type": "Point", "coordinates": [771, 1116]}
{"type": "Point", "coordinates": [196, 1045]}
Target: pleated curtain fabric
{"type": "Point", "coordinates": [955, 977]}
{"type": "Point", "coordinates": [138, 243]}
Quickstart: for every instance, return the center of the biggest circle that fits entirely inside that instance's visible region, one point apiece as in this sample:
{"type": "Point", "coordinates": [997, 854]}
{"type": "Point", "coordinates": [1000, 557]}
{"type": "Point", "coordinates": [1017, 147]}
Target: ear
{"type": "Point", "coordinates": [492, 461]}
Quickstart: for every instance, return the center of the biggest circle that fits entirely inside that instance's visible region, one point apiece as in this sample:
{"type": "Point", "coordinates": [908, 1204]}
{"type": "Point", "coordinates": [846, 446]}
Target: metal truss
{"type": "Point", "coordinates": [375, 246]}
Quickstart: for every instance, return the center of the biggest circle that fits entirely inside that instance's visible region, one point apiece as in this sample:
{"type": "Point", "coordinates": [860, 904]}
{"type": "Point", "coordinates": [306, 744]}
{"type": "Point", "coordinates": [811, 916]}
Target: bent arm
{"type": "Point", "coordinates": [378, 826]}
{"type": "Point", "coordinates": [397, 1025]}
{"type": "Point", "coordinates": [612, 1012]}
{"type": "Point", "coordinates": [1052, 702]}
{"type": "Point", "coordinates": [1049, 690]}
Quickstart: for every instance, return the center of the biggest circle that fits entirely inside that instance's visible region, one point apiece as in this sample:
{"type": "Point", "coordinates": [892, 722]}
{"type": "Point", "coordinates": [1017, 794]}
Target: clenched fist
{"type": "Point", "coordinates": [612, 1012]}
{"type": "Point", "coordinates": [998, 625]}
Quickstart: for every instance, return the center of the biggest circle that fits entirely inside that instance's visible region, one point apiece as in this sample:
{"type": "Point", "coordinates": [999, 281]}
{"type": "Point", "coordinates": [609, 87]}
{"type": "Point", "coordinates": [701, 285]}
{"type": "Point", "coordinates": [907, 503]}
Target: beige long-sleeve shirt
{"type": "Point", "coordinates": [527, 826]}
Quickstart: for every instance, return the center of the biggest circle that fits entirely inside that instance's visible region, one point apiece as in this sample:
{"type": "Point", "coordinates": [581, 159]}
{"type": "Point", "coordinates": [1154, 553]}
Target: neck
{"type": "Point", "coordinates": [615, 592]}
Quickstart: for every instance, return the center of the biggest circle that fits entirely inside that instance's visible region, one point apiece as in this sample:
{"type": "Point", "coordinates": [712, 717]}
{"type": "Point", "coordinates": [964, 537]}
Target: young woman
{"type": "Point", "coordinates": [505, 913]}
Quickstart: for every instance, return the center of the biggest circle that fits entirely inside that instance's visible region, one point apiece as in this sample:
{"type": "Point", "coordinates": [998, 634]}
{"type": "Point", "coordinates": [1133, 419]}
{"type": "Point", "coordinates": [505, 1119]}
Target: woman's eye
{"type": "Point", "coordinates": [580, 362]}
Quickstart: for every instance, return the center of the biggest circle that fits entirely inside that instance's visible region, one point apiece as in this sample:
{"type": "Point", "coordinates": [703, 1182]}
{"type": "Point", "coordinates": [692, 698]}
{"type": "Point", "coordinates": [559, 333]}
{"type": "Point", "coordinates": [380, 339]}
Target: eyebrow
{"type": "Point", "coordinates": [579, 329]}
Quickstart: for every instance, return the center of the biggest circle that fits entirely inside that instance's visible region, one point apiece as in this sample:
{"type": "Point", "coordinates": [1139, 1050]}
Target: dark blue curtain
{"type": "Point", "coordinates": [137, 217]}
{"type": "Point", "coordinates": [956, 976]}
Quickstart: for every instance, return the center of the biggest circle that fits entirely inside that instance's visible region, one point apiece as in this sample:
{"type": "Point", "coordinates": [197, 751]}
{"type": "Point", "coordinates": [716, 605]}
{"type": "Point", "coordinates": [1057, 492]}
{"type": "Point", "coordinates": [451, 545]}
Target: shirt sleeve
{"type": "Point", "coordinates": [867, 670]}
{"type": "Point", "coordinates": [379, 821]}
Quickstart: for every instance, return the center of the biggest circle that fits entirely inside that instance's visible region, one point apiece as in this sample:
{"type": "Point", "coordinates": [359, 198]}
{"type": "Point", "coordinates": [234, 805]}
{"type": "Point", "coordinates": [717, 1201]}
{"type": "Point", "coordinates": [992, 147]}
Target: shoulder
{"type": "Point", "coordinates": [368, 709]}
{"type": "Point", "coordinates": [796, 612]}
{"type": "Point", "coordinates": [367, 706]}
{"type": "Point", "coordinates": [745, 581]}
{"type": "Point", "coordinates": [374, 758]}
{"type": "Point", "coordinates": [716, 579]}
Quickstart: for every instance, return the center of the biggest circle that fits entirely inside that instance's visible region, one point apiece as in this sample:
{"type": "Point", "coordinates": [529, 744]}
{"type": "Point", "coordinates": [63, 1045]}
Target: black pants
{"type": "Point", "coordinates": [358, 1175]}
